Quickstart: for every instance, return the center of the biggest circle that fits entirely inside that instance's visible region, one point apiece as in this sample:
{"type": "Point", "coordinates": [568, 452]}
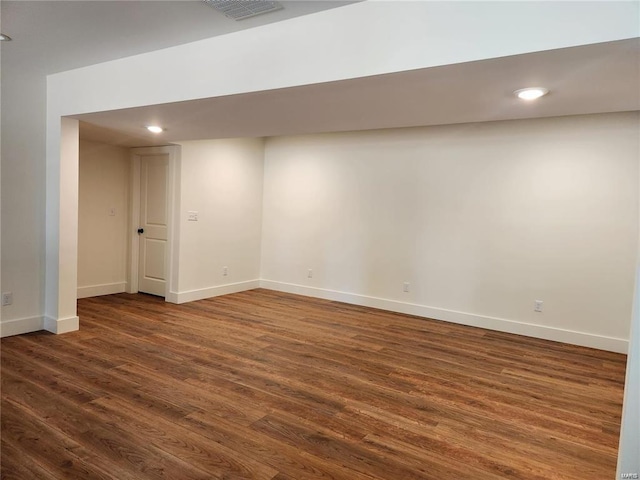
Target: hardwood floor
{"type": "Point", "coordinates": [266, 385]}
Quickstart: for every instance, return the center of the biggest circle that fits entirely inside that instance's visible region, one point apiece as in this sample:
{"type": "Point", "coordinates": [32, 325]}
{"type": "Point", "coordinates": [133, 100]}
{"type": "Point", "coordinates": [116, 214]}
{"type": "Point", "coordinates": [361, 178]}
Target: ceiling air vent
{"type": "Point", "coordinates": [241, 9]}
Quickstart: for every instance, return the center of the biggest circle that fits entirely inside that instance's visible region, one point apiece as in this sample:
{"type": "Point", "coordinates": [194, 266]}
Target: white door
{"type": "Point", "coordinates": [153, 226]}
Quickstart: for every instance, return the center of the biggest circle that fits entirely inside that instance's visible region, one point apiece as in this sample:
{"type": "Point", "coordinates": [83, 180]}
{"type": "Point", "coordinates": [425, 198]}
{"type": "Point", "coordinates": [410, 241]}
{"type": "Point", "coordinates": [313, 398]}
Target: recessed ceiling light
{"type": "Point", "coordinates": [531, 93]}
{"type": "Point", "coordinates": [155, 129]}
{"type": "Point", "coordinates": [4, 38]}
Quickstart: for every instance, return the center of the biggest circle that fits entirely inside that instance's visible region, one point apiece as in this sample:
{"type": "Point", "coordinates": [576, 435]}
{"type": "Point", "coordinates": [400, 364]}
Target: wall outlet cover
{"type": "Point", "coordinates": [7, 298]}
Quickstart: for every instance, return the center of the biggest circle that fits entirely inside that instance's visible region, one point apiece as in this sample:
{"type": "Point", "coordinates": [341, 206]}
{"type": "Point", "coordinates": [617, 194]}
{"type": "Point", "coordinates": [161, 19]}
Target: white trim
{"type": "Point", "coordinates": [20, 326]}
{"type": "Point", "coordinates": [103, 289]}
{"type": "Point", "coordinates": [202, 293]}
{"type": "Point", "coordinates": [611, 344]}
{"type": "Point", "coordinates": [134, 221]}
{"type": "Point", "coordinates": [61, 325]}
{"type": "Point", "coordinates": [173, 224]}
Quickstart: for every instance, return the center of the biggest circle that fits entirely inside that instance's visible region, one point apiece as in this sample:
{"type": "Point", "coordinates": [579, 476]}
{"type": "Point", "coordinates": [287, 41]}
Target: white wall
{"type": "Point", "coordinates": [103, 209]}
{"type": "Point", "coordinates": [480, 219]}
{"type": "Point", "coordinates": [23, 187]}
{"type": "Point", "coordinates": [221, 180]}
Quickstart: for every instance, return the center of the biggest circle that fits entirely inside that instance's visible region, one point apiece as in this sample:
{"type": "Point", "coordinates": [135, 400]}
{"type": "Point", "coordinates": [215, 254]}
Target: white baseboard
{"type": "Point", "coordinates": [61, 325]}
{"type": "Point", "coordinates": [104, 289]}
{"type": "Point", "coordinates": [611, 344]}
{"type": "Point", "coordinates": [20, 326]}
{"type": "Point", "coordinates": [200, 294]}
{"type": "Point", "coordinates": [619, 345]}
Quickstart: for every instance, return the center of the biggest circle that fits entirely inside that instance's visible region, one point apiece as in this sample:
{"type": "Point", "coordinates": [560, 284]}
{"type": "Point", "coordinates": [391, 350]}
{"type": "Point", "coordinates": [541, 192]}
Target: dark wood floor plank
{"type": "Point", "coordinates": [516, 408]}
{"type": "Point", "coordinates": [72, 432]}
{"type": "Point", "coordinates": [108, 382]}
{"type": "Point", "coordinates": [214, 458]}
{"type": "Point", "coordinates": [45, 448]}
{"type": "Point", "coordinates": [290, 460]}
{"type": "Point", "coordinates": [272, 386]}
{"type": "Point", "coordinates": [15, 464]}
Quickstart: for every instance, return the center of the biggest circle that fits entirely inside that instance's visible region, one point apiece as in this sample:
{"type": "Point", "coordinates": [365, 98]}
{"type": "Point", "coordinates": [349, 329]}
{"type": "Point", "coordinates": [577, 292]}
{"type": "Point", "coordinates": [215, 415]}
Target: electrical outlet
{"type": "Point", "coordinates": [309, 273]}
{"type": "Point", "coordinates": [405, 287]}
{"type": "Point", "coordinates": [537, 305]}
{"type": "Point", "coordinates": [225, 271]}
{"type": "Point", "coordinates": [7, 298]}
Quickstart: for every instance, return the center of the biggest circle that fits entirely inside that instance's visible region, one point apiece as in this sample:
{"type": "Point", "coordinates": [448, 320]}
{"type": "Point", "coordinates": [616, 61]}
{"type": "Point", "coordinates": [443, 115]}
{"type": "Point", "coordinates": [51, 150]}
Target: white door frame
{"type": "Point", "coordinates": [173, 225]}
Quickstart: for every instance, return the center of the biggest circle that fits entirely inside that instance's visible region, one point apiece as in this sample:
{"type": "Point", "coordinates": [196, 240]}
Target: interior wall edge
{"type": "Point", "coordinates": [600, 342]}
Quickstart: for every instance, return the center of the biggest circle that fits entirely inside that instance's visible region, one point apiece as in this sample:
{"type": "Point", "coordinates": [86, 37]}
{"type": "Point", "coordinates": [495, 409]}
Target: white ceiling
{"type": "Point", "coordinates": [53, 36]}
{"type": "Point", "coordinates": [56, 35]}
{"type": "Point", "coordinates": [587, 79]}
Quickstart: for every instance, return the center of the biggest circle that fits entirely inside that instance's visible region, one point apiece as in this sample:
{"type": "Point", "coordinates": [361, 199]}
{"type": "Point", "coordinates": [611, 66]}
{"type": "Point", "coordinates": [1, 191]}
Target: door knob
{"type": "Point", "coordinates": [140, 231]}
